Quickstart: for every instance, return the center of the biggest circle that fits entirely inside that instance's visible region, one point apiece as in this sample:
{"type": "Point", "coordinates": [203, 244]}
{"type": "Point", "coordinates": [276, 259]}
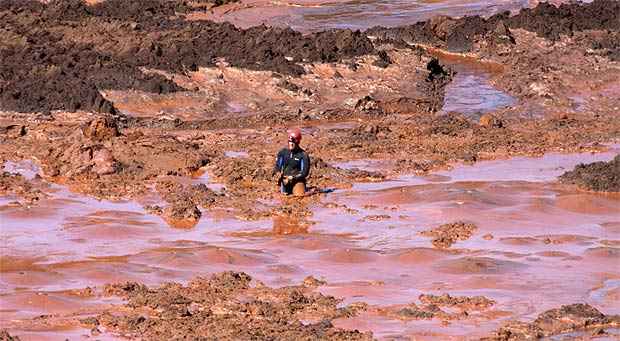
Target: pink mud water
{"type": "Point", "coordinates": [551, 245]}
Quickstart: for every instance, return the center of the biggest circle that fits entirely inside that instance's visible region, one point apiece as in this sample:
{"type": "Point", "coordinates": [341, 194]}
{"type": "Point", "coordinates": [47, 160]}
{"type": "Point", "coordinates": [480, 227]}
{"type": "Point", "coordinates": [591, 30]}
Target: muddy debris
{"type": "Point", "coordinates": [13, 131]}
{"type": "Point", "coordinates": [598, 176]}
{"type": "Point", "coordinates": [566, 319]}
{"type": "Point", "coordinates": [16, 184]}
{"type": "Point", "coordinates": [5, 336]}
{"type": "Point", "coordinates": [384, 59]}
{"type": "Point", "coordinates": [226, 306]}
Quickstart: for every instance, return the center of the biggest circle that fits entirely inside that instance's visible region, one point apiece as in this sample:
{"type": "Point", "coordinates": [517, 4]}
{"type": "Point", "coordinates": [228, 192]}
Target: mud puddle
{"type": "Point", "coordinates": [536, 245]}
{"type": "Point", "coordinates": [471, 94]}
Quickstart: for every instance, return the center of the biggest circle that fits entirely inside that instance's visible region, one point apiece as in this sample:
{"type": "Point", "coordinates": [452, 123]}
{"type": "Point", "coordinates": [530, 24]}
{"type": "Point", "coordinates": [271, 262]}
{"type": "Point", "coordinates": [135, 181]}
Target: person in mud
{"type": "Point", "coordinates": [293, 165]}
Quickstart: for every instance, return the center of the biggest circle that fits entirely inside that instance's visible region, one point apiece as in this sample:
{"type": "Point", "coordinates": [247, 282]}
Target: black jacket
{"type": "Point", "coordinates": [295, 163]}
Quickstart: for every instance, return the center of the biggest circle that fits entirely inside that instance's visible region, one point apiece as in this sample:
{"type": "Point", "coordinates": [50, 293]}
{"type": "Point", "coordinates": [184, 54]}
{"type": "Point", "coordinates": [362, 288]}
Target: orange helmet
{"type": "Point", "coordinates": [294, 135]}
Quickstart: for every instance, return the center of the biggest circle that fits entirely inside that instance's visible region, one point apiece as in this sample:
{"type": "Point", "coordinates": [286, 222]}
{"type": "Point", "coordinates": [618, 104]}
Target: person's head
{"type": "Point", "coordinates": [294, 138]}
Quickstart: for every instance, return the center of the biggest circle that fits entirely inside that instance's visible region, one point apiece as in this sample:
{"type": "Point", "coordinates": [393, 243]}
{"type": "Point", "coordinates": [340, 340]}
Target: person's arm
{"type": "Point", "coordinates": [305, 167]}
{"type": "Point", "coordinates": [278, 167]}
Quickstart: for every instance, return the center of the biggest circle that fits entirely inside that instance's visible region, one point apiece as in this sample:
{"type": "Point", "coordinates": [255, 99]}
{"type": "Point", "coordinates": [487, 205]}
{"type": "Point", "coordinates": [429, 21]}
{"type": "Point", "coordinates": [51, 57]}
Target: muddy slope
{"type": "Point", "coordinates": [597, 176]}
{"type": "Point", "coordinates": [226, 307]}
{"type": "Point", "coordinates": [58, 56]}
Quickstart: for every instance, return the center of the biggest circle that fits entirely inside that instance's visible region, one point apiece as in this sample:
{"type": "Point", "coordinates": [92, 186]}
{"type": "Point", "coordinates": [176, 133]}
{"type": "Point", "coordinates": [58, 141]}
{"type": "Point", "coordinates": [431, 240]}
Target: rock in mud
{"type": "Point", "coordinates": [104, 162]}
{"type": "Point", "coordinates": [212, 308]}
{"type": "Point", "coordinates": [383, 61]}
{"type": "Point", "coordinates": [101, 128]}
{"type": "Point", "coordinates": [566, 319]}
{"type": "Point", "coordinates": [13, 131]}
{"type": "Point", "coordinates": [598, 176]}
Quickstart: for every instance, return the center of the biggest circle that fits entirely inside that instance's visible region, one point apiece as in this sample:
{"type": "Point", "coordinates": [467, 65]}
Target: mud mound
{"type": "Point", "coordinates": [597, 176]}
{"type": "Point", "coordinates": [225, 307]}
{"type": "Point", "coordinates": [447, 234]}
{"type": "Point", "coordinates": [566, 319]}
{"type": "Point", "coordinates": [16, 184]}
{"type": "Point", "coordinates": [548, 21]}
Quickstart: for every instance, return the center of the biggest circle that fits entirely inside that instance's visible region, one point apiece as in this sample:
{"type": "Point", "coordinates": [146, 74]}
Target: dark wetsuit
{"type": "Point", "coordinates": [295, 163]}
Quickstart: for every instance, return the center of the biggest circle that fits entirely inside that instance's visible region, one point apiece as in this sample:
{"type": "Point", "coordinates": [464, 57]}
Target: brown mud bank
{"type": "Point", "coordinates": [62, 55]}
{"type": "Point", "coordinates": [58, 56]}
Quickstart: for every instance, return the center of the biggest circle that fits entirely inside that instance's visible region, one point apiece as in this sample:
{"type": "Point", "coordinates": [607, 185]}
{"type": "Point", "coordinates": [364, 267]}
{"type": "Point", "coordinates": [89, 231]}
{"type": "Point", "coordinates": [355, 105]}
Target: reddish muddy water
{"type": "Point", "coordinates": [538, 245]}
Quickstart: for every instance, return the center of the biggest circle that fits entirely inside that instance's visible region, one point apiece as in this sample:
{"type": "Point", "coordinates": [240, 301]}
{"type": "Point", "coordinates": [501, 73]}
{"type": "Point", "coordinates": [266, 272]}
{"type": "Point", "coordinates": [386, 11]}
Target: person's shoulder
{"type": "Point", "coordinates": [282, 151]}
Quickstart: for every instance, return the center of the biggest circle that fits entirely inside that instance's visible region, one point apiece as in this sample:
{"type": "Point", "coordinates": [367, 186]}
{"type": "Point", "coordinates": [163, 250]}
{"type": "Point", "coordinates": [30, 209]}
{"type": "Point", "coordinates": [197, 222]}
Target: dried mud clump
{"type": "Point", "coordinates": [447, 234]}
{"type": "Point", "coordinates": [225, 306]}
{"type": "Point", "coordinates": [566, 319]}
{"type": "Point", "coordinates": [598, 176]}
{"type": "Point", "coordinates": [461, 302]}
{"type": "Point", "coordinates": [183, 202]}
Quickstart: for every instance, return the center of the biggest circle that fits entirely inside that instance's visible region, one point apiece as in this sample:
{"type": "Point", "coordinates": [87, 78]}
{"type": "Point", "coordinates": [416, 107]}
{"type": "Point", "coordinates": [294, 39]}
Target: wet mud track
{"type": "Point", "coordinates": [446, 220]}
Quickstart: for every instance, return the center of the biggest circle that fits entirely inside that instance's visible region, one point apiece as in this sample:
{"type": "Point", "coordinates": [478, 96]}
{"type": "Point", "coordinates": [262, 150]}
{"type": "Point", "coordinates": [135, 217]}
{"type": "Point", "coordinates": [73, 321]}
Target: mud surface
{"type": "Point", "coordinates": [138, 147]}
{"type": "Point", "coordinates": [598, 176]}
